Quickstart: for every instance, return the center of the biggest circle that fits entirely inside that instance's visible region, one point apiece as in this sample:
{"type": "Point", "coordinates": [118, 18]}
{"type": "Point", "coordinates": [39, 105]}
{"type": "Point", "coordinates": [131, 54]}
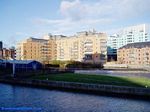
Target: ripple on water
{"type": "Point", "coordinates": [59, 101]}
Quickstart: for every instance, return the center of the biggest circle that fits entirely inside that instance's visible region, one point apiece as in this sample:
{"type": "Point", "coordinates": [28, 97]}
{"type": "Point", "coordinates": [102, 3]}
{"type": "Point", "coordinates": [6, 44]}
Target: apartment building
{"type": "Point", "coordinates": [30, 49]}
{"type": "Point", "coordinates": [134, 54]}
{"type": "Point", "coordinates": [132, 34]}
{"type": "Point", "coordinates": [7, 53]}
{"type": "Point", "coordinates": [84, 46]}
{"type": "Point", "coordinates": [36, 49]}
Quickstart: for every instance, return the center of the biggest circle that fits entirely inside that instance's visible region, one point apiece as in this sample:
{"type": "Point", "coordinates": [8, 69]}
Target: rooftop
{"type": "Point", "coordinates": [36, 39]}
{"type": "Point", "coordinates": [136, 45]}
{"type": "Point", "coordinates": [18, 61]}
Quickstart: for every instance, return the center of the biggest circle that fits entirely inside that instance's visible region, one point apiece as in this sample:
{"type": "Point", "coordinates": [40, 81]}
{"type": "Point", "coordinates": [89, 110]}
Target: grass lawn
{"type": "Point", "coordinates": [97, 79]}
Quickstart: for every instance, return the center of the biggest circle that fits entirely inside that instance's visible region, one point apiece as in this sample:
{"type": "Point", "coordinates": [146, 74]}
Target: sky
{"type": "Point", "coordinates": [21, 19]}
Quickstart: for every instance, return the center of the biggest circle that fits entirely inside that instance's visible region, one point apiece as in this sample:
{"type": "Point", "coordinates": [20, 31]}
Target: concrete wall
{"type": "Point", "coordinates": [137, 91]}
{"type": "Point", "coordinates": [113, 65]}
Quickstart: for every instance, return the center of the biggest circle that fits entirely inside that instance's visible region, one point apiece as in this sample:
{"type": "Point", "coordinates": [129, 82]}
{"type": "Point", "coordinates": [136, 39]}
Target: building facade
{"type": "Point", "coordinates": [84, 46]}
{"type": "Point", "coordinates": [36, 49]}
{"type": "Point", "coordinates": [30, 49]}
{"type": "Point", "coordinates": [22, 65]}
{"type": "Point", "coordinates": [7, 53]}
{"type": "Point", "coordinates": [132, 34]}
{"type": "Point", "coordinates": [112, 47]}
{"type": "Point", "coordinates": [134, 54]}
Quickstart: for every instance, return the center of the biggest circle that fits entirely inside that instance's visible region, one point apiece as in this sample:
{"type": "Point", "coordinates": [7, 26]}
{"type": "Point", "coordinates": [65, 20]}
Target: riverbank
{"type": "Point", "coordinates": [119, 73]}
{"type": "Point", "coordinates": [96, 79]}
{"type": "Point", "coordinates": [133, 92]}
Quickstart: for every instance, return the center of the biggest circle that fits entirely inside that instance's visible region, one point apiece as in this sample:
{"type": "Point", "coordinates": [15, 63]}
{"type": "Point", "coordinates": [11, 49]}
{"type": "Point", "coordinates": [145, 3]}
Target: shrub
{"type": "Point", "coordinates": [82, 65]}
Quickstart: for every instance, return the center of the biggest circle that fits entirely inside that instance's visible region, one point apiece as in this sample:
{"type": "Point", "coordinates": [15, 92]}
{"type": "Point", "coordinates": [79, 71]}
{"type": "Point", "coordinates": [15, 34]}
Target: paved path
{"type": "Point", "coordinates": [115, 73]}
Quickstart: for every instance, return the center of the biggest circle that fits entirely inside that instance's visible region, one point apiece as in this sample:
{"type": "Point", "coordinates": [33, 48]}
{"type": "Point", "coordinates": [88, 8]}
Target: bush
{"type": "Point", "coordinates": [52, 65]}
{"type": "Point", "coordinates": [74, 65]}
{"type": "Point", "coordinates": [82, 65]}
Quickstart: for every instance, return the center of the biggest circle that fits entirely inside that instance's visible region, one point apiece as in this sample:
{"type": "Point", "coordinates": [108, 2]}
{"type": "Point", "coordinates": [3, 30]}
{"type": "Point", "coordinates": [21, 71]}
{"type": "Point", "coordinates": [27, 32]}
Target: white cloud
{"type": "Point", "coordinates": [78, 9]}
{"type": "Point", "coordinates": [73, 10]}
{"type": "Point", "coordinates": [78, 14]}
{"type": "Point", "coordinates": [19, 33]}
{"type": "Point", "coordinates": [43, 21]}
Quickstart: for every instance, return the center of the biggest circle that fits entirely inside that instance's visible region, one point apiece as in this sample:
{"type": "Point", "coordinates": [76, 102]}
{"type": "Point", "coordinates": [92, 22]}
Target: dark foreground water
{"type": "Point", "coordinates": [24, 99]}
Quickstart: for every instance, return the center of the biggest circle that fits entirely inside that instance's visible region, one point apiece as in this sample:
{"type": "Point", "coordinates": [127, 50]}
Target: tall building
{"type": "Point", "coordinates": [134, 54]}
{"type": "Point", "coordinates": [112, 47]}
{"type": "Point", "coordinates": [84, 46]}
{"type": "Point", "coordinates": [30, 49]}
{"type": "Point", "coordinates": [132, 34]}
{"type": "Point", "coordinates": [37, 49]}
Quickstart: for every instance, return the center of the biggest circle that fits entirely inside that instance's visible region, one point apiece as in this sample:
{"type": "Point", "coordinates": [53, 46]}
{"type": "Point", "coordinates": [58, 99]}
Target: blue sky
{"type": "Point", "coordinates": [20, 19]}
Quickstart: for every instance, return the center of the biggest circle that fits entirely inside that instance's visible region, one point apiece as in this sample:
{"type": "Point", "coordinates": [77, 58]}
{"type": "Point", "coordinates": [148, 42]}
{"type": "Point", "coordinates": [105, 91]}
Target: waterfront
{"type": "Point", "coordinates": [117, 73]}
{"type": "Point", "coordinates": [60, 101]}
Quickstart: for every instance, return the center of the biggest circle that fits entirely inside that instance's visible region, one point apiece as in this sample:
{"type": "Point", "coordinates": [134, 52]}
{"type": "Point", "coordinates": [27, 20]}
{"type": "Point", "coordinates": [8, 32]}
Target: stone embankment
{"type": "Point", "coordinates": [98, 88]}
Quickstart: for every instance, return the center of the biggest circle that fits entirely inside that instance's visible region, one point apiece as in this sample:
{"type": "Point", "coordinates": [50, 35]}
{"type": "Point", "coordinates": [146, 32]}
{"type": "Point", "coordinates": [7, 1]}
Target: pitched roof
{"type": "Point", "coordinates": [136, 45]}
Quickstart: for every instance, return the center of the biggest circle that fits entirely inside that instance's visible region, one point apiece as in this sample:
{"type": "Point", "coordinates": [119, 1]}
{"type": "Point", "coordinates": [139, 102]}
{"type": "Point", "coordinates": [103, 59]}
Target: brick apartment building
{"type": "Point", "coordinates": [134, 54]}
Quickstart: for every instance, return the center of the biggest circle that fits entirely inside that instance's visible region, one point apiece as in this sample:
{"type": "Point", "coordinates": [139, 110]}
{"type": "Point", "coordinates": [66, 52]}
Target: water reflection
{"type": "Point", "coordinates": [58, 101]}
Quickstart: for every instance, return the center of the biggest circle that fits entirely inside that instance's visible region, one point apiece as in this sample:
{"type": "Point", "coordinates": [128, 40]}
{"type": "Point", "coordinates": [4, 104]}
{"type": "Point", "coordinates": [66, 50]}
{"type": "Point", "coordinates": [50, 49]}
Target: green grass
{"type": "Point", "coordinates": [97, 79]}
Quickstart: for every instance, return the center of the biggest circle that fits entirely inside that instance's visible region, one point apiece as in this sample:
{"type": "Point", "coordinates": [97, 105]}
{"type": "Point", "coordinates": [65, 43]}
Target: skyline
{"type": "Point", "coordinates": [21, 19]}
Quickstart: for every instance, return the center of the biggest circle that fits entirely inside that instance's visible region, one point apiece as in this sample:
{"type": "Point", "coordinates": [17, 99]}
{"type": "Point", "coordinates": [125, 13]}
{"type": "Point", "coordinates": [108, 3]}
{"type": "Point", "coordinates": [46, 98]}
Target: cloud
{"type": "Point", "coordinates": [19, 33]}
{"type": "Point", "coordinates": [78, 15]}
{"type": "Point", "coordinates": [43, 21]}
{"type": "Point", "coordinates": [78, 9]}
{"type": "Point", "coordinates": [73, 10]}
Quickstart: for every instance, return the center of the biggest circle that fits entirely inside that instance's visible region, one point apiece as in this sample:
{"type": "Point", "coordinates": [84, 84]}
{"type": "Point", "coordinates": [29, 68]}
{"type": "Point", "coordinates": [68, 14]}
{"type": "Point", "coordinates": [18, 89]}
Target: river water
{"type": "Point", "coordinates": [25, 99]}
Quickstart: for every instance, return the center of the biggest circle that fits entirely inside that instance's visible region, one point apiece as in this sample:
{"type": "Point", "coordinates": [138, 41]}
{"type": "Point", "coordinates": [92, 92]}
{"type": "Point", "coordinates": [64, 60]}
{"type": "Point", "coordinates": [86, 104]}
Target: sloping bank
{"type": "Point", "coordinates": [95, 88]}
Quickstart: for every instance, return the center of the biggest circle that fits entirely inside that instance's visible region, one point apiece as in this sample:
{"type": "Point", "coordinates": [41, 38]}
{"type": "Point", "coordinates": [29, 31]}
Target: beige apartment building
{"type": "Point", "coordinates": [36, 49]}
{"type": "Point", "coordinates": [134, 54]}
{"type": "Point", "coordinates": [84, 46]}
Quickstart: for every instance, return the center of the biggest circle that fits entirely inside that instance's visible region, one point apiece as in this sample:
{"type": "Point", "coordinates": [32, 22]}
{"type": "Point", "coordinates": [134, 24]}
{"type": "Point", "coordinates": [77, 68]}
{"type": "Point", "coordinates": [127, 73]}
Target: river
{"type": "Point", "coordinates": [14, 98]}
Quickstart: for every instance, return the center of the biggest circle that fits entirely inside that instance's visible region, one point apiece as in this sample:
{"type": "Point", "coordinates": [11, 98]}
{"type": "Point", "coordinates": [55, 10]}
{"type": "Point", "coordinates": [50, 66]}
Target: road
{"type": "Point", "coordinates": [115, 73]}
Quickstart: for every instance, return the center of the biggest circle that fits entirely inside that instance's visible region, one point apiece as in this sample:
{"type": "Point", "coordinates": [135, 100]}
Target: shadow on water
{"type": "Point", "coordinates": [93, 79]}
{"type": "Point", "coordinates": [86, 92]}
